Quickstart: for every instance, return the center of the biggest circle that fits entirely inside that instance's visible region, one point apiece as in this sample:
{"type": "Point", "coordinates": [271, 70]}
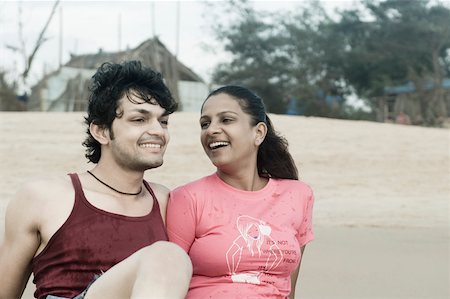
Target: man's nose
{"type": "Point", "coordinates": [155, 128]}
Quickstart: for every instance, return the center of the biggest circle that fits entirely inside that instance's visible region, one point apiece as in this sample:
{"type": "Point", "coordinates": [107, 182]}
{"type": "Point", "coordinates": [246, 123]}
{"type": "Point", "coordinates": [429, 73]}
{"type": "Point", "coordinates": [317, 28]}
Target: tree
{"type": "Point", "coordinates": [308, 57]}
{"type": "Point", "coordinates": [8, 99]}
{"type": "Point", "coordinates": [257, 63]}
{"type": "Point", "coordinates": [394, 42]}
{"type": "Point", "coordinates": [28, 58]}
{"type": "Point", "coordinates": [283, 57]}
{"type": "Point", "coordinates": [315, 55]}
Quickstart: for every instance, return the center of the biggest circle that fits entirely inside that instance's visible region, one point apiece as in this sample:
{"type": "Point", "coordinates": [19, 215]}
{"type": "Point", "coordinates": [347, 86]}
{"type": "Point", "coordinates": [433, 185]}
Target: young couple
{"type": "Point", "coordinates": [238, 233]}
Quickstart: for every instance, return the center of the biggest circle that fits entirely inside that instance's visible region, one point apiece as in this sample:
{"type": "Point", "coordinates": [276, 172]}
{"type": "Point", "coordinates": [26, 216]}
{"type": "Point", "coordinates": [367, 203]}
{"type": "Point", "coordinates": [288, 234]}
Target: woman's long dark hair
{"type": "Point", "coordinates": [274, 159]}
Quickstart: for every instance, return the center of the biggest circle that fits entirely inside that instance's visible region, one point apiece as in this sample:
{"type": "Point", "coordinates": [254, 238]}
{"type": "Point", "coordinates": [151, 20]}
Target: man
{"type": "Point", "coordinates": [101, 234]}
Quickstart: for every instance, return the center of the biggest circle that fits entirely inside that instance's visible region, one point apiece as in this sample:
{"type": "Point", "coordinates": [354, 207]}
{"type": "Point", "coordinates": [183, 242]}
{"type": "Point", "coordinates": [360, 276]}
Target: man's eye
{"type": "Point", "coordinates": [164, 122]}
{"type": "Point", "coordinates": [138, 120]}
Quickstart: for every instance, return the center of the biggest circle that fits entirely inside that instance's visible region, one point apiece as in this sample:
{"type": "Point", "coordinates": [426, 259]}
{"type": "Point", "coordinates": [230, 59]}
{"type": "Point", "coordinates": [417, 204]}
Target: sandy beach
{"type": "Point", "coordinates": [382, 192]}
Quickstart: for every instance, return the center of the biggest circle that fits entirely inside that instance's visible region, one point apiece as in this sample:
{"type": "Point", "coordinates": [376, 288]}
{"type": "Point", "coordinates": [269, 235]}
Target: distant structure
{"type": "Point", "coordinates": [298, 107]}
{"type": "Point", "coordinates": [66, 89]}
{"type": "Point", "coordinates": [428, 105]}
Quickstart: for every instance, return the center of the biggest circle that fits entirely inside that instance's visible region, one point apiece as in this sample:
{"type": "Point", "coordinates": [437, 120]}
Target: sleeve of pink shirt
{"type": "Point", "coordinates": [181, 219]}
{"type": "Point", "coordinates": [305, 233]}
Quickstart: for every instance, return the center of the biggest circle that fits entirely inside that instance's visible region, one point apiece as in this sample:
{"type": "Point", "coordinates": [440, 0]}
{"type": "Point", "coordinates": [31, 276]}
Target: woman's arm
{"type": "Point", "coordinates": [294, 275]}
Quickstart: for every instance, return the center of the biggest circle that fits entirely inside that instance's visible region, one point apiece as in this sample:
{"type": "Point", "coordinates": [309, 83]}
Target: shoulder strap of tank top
{"type": "Point", "coordinates": [76, 184]}
{"type": "Point", "coordinates": [79, 191]}
{"type": "Point", "coordinates": [155, 200]}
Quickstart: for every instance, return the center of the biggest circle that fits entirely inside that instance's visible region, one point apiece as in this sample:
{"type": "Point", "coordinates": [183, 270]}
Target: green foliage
{"type": "Point", "coordinates": [306, 55]}
{"type": "Point", "coordinates": [257, 61]}
{"type": "Point", "coordinates": [403, 41]}
{"type": "Point", "coordinates": [8, 100]}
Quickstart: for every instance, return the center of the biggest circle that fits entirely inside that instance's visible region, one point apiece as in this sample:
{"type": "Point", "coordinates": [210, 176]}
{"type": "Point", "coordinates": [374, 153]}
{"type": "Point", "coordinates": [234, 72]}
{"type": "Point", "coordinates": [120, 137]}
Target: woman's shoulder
{"type": "Point", "coordinates": [195, 192]}
{"type": "Point", "coordinates": [295, 185]}
{"type": "Point", "coordinates": [201, 183]}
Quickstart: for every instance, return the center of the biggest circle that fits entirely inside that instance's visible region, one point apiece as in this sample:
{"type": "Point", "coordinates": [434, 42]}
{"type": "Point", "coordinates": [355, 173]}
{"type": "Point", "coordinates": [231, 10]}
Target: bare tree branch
{"type": "Point", "coordinates": [12, 48]}
{"type": "Point", "coordinates": [23, 52]}
{"type": "Point", "coordinates": [40, 41]}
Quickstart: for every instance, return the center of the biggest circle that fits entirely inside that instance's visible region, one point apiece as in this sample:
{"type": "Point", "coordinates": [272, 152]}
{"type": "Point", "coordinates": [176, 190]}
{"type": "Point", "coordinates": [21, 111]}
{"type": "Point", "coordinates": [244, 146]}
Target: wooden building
{"type": "Point", "coordinates": [428, 105]}
{"type": "Point", "coordinates": [66, 89]}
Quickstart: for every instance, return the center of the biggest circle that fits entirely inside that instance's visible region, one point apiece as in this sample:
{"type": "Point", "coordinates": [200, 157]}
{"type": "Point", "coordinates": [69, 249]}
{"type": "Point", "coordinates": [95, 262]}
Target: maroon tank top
{"type": "Point", "coordinates": [90, 242]}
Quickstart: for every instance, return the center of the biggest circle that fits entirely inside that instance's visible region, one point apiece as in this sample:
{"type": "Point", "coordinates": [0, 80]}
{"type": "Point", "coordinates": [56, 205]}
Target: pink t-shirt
{"type": "Point", "coordinates": [243, 244]}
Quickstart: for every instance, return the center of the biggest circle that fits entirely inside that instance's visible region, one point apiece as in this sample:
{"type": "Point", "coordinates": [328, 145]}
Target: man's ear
{"type": "Point", "coordinates": [100, 133]}
{"type": "Point", "coordinates": [261, 131]}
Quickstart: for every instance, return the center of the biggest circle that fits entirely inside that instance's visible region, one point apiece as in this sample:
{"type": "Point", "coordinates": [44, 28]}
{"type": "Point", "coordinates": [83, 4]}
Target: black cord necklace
{"type": "Point", "coordinates": [124, 193]}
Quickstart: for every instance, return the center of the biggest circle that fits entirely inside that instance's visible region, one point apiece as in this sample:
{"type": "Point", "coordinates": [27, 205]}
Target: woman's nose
{"type": "Point", "coordinates": [213, 128]}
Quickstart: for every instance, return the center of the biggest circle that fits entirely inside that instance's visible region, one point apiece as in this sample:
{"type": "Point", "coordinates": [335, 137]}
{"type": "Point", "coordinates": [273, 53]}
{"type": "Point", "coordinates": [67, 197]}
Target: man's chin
{"type": "Point", "coordinates": [154, 164]}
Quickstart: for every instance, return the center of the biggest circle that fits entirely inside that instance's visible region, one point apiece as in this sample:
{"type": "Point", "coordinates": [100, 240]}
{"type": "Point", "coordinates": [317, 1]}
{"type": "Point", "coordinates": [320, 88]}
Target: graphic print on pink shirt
{"type": "Point", "coordinates": [229, 232]}
{"type": "Point", "coordinates": [254, 237]}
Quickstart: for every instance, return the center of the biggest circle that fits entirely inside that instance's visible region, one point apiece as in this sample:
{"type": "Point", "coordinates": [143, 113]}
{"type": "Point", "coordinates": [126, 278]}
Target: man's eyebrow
{"type": "Point", "coordinates": [147, 112]}
{"type": "Point", "coordinates": [143, 111]}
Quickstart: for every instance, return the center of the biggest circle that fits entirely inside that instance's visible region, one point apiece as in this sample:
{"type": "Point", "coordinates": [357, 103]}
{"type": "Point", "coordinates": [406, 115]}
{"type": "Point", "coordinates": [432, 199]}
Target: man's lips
{"type": "Point", "coordinates": [150, 145]}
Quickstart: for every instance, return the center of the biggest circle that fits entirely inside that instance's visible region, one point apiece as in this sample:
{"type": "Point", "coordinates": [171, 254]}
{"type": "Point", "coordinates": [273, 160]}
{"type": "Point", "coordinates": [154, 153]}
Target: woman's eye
{"type": "Point", "coordinates": [204, 125]}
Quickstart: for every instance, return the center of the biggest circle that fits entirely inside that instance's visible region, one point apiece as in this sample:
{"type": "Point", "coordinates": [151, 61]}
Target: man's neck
{"type": "Point", "coordinates": [126, 181]}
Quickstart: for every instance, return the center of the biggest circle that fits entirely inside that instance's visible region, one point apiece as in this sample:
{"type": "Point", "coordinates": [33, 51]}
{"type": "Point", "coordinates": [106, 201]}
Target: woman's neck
{"type": "Point", "coordinates": [244, 180]}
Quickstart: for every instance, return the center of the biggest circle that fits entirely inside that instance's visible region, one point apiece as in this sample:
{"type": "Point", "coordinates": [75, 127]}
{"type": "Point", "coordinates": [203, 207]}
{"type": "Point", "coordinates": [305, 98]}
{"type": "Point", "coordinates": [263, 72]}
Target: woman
{"type": "Point", "coordinates": [244, 227]}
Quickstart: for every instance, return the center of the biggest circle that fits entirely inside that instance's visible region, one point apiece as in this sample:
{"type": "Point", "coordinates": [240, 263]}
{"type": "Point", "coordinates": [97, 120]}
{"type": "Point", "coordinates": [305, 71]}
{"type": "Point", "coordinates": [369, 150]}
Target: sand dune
{"type": "Point", "coordinates": [365, 176]}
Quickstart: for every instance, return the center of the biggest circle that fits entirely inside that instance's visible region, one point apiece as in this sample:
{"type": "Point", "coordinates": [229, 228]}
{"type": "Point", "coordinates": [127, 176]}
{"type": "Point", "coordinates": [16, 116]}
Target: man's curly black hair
{"type": "Point", "coordinates": [111, 83]}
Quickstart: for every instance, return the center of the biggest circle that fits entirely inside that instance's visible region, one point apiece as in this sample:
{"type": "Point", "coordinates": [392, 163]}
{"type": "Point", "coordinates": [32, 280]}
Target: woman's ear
{"type": "Point", "coordinates": [261, 131]}
{"type": "Point", "coordinates": [100, 133]}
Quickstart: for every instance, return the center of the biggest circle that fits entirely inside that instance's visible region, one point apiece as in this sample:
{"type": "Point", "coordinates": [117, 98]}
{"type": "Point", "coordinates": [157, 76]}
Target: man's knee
{"type": "Point", "coordinates": [168, 247]}
{"type": "Point", "coordinates": [167, 257]}
{"type": "Point", "coordinates": [155, 267]}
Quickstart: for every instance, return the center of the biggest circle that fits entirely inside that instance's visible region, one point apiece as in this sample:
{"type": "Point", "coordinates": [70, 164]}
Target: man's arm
{"type": "Point", "coordinates": [19, 244]}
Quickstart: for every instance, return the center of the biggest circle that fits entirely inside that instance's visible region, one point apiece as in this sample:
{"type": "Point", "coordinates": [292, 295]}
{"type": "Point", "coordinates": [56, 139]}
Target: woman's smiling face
{"type": "Point", "coordinates": [227, 135]}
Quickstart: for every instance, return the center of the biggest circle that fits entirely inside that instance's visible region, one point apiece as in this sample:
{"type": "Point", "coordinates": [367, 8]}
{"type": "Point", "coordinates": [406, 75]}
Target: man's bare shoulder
{"type": "Point", "coordinates": [159, 187]}
{"type": "Point", "coordinates": [161, 191]}
{"type": "Point", "coordinates": [40, 200]}
{"type": "Point", "coordinates": [39, 194]}
{"type": "Point", "coordinates": [45, 189]}
{"type": "Point", "coordinates": [162, 195]}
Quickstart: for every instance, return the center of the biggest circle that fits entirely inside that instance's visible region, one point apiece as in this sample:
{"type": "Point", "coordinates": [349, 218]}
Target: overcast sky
{"type": "Point", "coordinates": [88, 26]}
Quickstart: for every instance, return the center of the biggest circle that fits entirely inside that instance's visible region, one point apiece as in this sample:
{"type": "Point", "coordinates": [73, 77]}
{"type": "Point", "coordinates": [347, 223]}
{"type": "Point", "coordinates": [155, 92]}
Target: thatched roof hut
{"type": "Point", "coordinates": [66, 88]}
